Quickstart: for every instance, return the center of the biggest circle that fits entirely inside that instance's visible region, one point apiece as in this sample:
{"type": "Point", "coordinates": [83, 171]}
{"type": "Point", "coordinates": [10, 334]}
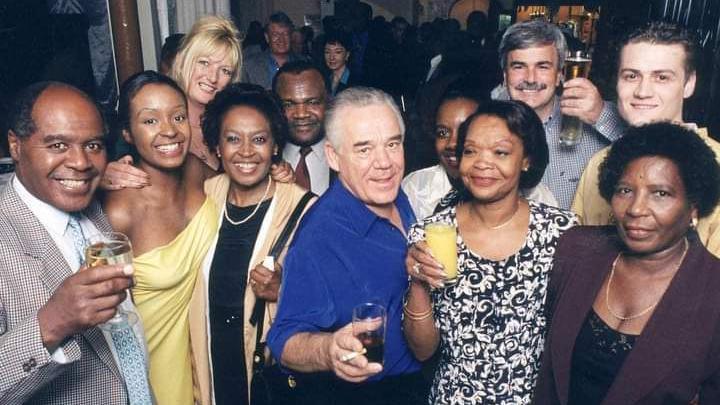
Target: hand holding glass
{"type": "Point", "coordinates": [368, 325]}
{"type": "Point", "coordinates": [576, 65]}
{"type": "Point", "coordinates": [110, 249]}
{"type": "Point", "coordinates": [441, 237]}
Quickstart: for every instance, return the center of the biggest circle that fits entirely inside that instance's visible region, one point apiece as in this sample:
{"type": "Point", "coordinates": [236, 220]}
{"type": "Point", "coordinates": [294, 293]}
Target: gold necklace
{"type": "Point", "coordinates": [252, 214]}
{"type": "Point", "coordinates": [507, 222]}
{"type": "Point", "coordinates": [646, 310]}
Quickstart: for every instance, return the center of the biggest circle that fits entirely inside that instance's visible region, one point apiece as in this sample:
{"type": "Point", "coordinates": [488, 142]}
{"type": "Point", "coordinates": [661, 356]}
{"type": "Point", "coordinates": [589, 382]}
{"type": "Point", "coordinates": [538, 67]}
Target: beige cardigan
{"type": "Point", "coordinates": [284, 201]}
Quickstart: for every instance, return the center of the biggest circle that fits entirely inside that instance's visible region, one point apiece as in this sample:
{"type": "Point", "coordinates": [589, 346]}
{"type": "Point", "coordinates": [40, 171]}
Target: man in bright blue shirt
{"type": "Point", "coordinates": [350, 249]}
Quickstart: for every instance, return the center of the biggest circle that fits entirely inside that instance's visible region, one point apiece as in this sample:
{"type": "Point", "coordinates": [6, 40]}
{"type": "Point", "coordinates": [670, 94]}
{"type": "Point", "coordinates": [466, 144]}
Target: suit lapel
{"type": "Point", "coordinates": [37, 242]}
{"type": "Point", "coordinates": [664, 339]}
{"type": "Point", "coordinates": [576, 302]}
{"type": "Point", "coordinates": [39, 246]}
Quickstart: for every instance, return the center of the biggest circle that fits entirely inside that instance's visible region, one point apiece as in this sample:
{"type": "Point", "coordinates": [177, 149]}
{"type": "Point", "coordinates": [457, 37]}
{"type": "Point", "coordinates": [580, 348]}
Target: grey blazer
{"type": "Point", "coordinates": [31, 268]}
{"type": "Point", "coordinates": [256, 69]}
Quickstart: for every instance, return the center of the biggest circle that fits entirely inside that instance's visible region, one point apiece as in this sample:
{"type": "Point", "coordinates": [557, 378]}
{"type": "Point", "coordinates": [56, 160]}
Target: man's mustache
{"type": "Point", "coordinates": [532, 86]}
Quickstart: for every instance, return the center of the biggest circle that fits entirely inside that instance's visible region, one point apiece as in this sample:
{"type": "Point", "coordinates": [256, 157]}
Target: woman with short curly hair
{"type": "Point", "coordinates": [636, 313]}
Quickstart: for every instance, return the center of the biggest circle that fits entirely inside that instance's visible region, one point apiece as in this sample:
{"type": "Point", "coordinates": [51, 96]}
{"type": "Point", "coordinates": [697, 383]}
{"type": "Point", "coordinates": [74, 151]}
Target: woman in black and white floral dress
{"type": "Point", "coordinates": [490, 325]}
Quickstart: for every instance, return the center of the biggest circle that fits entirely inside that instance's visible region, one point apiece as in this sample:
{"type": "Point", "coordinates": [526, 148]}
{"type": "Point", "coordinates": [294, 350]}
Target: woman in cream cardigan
{"type": "Point", "coordinates": [245, 126]}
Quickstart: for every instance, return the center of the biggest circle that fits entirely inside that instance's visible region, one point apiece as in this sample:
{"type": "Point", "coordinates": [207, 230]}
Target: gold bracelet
{"type": "Point", "coordinates": [418, 316]}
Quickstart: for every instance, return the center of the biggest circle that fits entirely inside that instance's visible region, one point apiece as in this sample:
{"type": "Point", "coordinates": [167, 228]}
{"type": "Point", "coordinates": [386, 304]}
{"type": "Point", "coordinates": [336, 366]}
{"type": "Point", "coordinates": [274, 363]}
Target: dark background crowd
{"type": "Point", "coordinates": [39, 41]}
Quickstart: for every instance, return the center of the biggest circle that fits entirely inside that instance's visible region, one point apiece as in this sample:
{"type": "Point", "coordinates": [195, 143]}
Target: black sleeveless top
{"type": "Point", "coordinates": [599, 353]}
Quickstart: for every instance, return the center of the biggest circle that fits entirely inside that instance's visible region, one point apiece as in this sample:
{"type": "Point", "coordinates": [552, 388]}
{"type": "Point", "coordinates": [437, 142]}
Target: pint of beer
{"type": "Point", "coordinates": [576, 65]}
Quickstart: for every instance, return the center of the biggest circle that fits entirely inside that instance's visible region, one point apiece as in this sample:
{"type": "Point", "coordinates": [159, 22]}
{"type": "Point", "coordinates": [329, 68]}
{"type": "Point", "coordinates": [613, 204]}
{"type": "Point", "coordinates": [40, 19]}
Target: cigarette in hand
{"type": "Point", "coordinates": [347, 357]}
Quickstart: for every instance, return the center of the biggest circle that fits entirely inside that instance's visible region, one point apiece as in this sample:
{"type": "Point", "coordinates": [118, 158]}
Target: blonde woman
{"type": "Point", "coordinates": [209, 59]}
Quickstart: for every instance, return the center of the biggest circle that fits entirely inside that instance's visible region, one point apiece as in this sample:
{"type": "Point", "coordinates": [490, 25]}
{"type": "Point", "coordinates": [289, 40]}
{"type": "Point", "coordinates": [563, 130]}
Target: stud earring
{"type": "Point", "coordinates": [694, 223]}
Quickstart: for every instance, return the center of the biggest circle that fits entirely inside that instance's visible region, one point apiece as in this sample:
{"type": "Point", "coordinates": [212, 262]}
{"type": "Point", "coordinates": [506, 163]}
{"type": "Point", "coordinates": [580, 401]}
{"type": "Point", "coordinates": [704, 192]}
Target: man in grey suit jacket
{"type": "Point", "coordinates": [51, 350]}
{"type": "Point", "coordinates": [261, 68]}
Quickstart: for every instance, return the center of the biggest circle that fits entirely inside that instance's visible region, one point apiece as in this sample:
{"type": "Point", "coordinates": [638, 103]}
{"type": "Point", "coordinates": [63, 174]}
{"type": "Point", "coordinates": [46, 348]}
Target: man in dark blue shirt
{"type": "Point", "coordinates": [349, 250]}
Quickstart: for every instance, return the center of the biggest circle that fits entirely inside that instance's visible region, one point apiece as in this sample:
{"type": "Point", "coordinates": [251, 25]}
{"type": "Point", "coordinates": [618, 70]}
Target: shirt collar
{"type": "Point", "coordinates": [691, 126]}
{"type": "Point", "coordinates": [53, 219]}
{"type": "Point", "coordinates": [360, 217]}
{"type": "Point", "coordinates": [435, 61]}
{"type": "Point", "coordinates": [318, 147]}
{"type": "Point", "coordinates": [345, 76]}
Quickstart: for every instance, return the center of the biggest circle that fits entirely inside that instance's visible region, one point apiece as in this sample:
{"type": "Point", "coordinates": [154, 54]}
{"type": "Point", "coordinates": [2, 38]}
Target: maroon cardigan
{"type": "Point", "coordinates": [678, 352]}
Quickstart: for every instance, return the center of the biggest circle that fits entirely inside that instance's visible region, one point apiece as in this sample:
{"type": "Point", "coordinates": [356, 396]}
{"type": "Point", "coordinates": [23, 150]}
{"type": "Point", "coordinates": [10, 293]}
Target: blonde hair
{"type": "Point", "coordinates": [208, 35]}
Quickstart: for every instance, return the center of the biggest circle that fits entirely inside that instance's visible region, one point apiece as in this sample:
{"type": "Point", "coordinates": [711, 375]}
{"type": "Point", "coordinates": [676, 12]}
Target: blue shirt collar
{"type": "Point", "coordinates": [345, 76]}
{"type": "Point", "coordinates": [359, 216]}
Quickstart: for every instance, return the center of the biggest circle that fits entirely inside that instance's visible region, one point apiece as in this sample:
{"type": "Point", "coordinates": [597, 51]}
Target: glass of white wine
{"type": "Point", "coordinates": [109, 249]}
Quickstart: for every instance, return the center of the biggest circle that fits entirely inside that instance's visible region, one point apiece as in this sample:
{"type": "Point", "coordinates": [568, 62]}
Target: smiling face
{"type": "Point", "coordinates": [159, 128]}
{"type": "Point", "coordinates": [531, 75]}
{"type": "Point", "coordinates": [303, 98]}
{"type": "Point", "coordinates": [211, 73]}
{"type": "Point", "coordinates": [336, 56]}
{"type": "Point", "coordinates": [278, 37]}
{"type": "Point", "coordinates": [652, 83]}
{"type": "Point", "coordinates": [450, 115]}
{"type": "Point", "coordinates": [61, 163]}
{"type": "Point", "coordinates": [246, 147]}
{"type": "Point", "coordinates": [370, 160]}
{"type": "Point", "coordinates": [492, 160]}
{"type": "Point", "coordinates": [651, 206]}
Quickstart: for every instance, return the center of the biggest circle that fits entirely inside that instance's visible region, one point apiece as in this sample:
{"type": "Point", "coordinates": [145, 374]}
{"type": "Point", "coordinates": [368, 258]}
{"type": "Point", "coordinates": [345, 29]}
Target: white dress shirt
{"type": "Point", "coordinates": [318, 168]}
{"type": "Point", "coordinates": [434, 63]}
{"type": "Point", "coordinates": [55, 223]}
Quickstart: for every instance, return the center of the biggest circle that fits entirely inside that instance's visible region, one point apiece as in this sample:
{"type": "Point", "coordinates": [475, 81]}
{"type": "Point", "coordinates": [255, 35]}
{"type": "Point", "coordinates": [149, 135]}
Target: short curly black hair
{"type": "Point", "coordinates": [246, 95]}
{"type": "Point", "coordinates": [523, 122]}
{"type": "Point", "coordinates": [696, 162]}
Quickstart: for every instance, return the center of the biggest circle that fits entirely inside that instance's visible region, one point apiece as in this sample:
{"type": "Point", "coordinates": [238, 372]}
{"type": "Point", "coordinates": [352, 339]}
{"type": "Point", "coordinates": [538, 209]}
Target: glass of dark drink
{"type": "Point", "coordinates": [368, 326]}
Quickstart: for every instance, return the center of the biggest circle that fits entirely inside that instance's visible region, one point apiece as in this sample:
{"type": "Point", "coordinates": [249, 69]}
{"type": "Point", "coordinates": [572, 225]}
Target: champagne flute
{"type": "Point", "coordinates": [109, 249]}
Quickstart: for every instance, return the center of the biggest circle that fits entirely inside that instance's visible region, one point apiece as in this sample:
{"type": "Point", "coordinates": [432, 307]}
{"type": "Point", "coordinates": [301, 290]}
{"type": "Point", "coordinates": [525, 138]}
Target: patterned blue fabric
{"type": "Point", "coordinates": [79, 241]}
{"type": "Point", "coordinates": [130, 355]}
{"type": "Point", "coordinates": [132, 366]}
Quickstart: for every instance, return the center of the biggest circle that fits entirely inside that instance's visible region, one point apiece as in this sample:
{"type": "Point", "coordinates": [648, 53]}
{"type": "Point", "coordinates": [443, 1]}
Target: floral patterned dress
{"type": "Point", "coordinates": [492, 321]}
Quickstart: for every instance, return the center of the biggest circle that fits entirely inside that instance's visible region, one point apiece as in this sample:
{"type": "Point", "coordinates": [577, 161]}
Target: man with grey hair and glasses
{"type": "Point", "coordinates": [350, 250]}
{"type": "Point", "coordinates": [532, 55]}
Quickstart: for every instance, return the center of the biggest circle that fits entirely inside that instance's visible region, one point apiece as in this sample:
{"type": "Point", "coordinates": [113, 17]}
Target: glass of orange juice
{"type": "Point", "coordinates": [441, 237]}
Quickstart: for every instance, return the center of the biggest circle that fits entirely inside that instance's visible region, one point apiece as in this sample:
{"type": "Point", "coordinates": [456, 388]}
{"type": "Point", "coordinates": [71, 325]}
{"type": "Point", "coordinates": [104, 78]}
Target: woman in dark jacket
{"type": "Point", "coordinates": [337, 55]}
{"type": "Point", "coordinates": [636, 309]}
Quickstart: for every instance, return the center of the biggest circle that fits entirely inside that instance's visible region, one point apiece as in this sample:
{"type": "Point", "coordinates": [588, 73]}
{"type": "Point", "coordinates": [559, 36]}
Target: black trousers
{"type": "Point", "coordinates": [405, 389]}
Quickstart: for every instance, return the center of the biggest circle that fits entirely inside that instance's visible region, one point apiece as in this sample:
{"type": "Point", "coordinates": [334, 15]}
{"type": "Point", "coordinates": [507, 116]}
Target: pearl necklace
{"type": "Point", "coordinates": [252, 214]}
{"type": "Point", "coordinates": [644, 311]}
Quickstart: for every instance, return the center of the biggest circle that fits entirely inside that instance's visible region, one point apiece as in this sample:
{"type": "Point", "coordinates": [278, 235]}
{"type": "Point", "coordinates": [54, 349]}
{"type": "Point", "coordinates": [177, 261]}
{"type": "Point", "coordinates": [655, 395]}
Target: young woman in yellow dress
{"type": "Point", "coordinates": [170, 223]}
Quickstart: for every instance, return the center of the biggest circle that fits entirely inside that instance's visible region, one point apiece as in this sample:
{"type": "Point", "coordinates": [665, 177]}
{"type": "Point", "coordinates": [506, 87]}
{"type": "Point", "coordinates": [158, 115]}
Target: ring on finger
{"type": "Point", "coordinates": [416, 267]}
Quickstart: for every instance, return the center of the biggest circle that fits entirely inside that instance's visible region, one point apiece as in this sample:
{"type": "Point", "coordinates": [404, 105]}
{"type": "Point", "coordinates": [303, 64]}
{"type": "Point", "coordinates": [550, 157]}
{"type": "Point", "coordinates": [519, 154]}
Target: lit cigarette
{"type": "Point", "coordinates": [352, 355]}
